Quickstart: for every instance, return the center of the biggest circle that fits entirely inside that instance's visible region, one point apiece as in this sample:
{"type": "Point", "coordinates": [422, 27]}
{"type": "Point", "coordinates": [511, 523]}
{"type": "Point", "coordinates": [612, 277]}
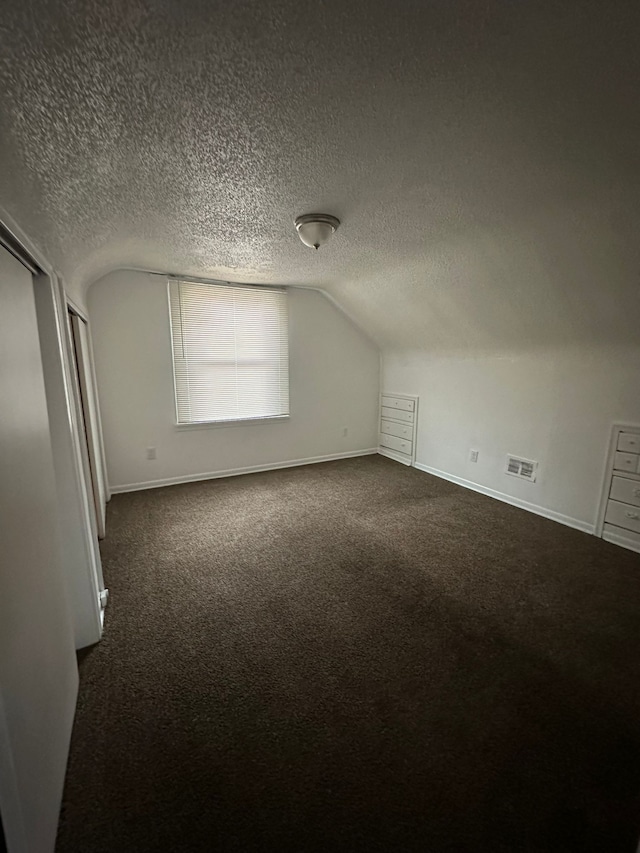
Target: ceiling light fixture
{"type": "Point", "coordinates": [315, 229]}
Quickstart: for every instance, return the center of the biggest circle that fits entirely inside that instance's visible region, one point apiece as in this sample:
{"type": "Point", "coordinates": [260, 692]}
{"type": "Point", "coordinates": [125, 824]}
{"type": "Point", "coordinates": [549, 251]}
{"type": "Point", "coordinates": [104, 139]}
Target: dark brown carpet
{"type": "Point", "coordinates": [356, 656]}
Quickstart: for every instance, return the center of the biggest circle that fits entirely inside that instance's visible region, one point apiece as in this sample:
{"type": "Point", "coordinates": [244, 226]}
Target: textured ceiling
{"type": "Point", "coordinates": [482, 156]}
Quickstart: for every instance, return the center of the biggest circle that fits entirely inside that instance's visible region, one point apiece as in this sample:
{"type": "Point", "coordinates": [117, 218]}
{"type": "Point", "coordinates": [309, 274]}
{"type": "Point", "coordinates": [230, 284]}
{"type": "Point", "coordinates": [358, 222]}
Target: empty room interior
{"type": "Point", "coordinates": [320, 426]}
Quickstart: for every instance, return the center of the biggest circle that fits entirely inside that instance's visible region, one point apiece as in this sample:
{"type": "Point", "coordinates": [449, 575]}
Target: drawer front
{"type": "Point", "coordinates": [401, 430]}
{"type": "Point", "coordinates": [395, 443]}
{"type": "Point", "coordinates": [397, 414]}
{"type": "Point", "coordinates": [626, 461]}
{"type": "Point", "coordinates": [398, 403]}
{"type": "Point", "coordinates": [623, 515]}
{"type": "Point", "coordinates": [627, 491]}
{"type": "Point", "coordinates": [629, 442]}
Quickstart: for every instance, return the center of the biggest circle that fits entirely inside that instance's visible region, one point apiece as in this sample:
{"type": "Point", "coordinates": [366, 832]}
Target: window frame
{"type": "Point", "coordinates": [227, 423]}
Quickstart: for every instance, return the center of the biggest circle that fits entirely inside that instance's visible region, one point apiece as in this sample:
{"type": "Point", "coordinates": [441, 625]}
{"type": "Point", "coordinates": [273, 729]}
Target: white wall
{"type": "Point", "coordinates": [334, 381]}
{"type": "Point", "coordinates": [554, 405]}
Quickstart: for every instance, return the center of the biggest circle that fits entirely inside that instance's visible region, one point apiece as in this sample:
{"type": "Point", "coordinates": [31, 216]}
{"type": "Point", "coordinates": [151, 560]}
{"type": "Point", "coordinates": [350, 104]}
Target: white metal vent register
{"type": "Point", "coordinates": [523, 468]}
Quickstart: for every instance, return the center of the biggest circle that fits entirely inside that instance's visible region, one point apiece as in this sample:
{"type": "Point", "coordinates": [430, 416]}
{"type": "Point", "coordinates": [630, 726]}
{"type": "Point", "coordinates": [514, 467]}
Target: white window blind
{"type": "Point", "coordinates": [230, 351]}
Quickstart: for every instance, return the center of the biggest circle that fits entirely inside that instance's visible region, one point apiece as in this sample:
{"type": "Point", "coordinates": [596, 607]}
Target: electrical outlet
{"type": "Point", "coordinates": [345, 432]}
{"type": "Point", "coordinates": [473, 456]}
{"type": "Point", "coordinates": [151, 453]}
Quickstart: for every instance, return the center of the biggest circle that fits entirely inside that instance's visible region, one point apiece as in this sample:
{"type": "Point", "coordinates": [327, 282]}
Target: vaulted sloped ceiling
{"type": "Point", "coordinates": [483, 156]}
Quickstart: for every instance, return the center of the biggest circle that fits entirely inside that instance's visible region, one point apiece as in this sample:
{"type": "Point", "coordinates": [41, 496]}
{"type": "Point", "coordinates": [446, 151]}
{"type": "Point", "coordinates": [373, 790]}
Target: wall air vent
{"type": "Point", "coordinates": [523, 468]}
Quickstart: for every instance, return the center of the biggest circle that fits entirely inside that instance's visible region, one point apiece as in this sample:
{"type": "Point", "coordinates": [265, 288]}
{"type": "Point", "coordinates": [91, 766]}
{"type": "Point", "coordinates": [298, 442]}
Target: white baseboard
{"type": "Point", "coordinates": [610, 534]}
{"type": "Point", "coordinates": [584, 526]}
{"type": "Point", "coordinates": [234, 472]}
{"type": "Point", "coordinates": [397, 457]}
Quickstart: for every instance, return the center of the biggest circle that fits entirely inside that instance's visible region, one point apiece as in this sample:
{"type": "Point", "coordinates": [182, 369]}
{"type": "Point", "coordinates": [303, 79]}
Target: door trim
{"type": "Point", "coordinates": [102, 461]}
{"type": "Point", "coordinates": [84, 398]}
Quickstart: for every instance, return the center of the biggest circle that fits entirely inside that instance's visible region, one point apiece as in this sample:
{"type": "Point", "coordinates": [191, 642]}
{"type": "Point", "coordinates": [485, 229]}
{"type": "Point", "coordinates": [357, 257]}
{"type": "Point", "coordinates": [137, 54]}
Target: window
{"type": "Point", "coordinates": [230, 352]}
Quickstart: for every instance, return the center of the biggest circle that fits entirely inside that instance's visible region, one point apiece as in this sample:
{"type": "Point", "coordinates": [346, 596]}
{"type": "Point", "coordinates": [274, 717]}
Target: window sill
{"type": "Point", "coordinates": [227, 424]}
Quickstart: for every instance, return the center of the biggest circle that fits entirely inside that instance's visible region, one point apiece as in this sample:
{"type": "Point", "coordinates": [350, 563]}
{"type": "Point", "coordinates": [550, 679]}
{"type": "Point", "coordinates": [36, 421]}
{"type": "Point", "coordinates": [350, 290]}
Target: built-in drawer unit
{"type": "Point", "coordinates": [619, 517]}
{"type": "Point", "coordinates": [397, 427]}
